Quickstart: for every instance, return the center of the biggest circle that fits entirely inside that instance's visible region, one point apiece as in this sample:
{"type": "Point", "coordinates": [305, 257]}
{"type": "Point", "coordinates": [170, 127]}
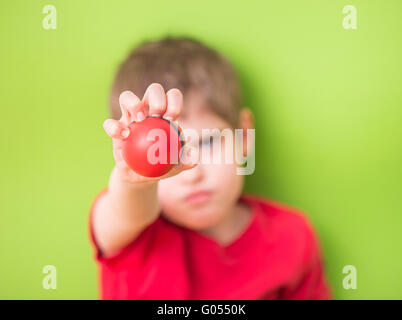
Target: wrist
{"type": "Point", "coordinates": [122, 179]}
{"type": "Point", "coordinates": [130, 193]}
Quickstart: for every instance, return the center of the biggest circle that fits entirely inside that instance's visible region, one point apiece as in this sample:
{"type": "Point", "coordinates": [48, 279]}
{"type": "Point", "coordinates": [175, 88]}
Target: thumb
{"type": "Point", "coordinates": [187, 161]}
{"type": "Point", "coordinates": [189, 157]}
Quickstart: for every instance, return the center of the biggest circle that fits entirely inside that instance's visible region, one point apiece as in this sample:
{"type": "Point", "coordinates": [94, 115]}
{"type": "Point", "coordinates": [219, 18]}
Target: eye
{"type": "Point", "coordinates": [207, 142]}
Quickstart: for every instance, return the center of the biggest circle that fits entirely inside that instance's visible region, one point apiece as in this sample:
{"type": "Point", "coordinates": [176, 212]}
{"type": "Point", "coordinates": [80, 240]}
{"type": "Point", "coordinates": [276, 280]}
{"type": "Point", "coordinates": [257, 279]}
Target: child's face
{"type": "Point", "coordinates": [220, 185]}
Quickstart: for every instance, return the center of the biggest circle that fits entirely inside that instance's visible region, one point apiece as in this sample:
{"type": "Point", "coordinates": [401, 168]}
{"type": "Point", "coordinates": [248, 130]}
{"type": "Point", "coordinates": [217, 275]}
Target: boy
{"type": "Point", "coordinates": [193, 233]}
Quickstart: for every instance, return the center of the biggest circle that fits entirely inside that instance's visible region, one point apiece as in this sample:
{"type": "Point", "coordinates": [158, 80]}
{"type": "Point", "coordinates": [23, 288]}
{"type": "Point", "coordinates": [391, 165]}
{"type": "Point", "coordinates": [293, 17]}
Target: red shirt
{"type": "Point", "coordinates": [276, 257]}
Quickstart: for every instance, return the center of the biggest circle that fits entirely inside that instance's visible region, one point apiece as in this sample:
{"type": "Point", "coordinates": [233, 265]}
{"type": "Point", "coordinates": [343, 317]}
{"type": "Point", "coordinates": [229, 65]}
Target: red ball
{"type": "Point", "coordinates": [153, 146]}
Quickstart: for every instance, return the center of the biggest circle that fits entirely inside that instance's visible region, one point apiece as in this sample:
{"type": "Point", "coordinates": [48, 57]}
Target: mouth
{"type": "Point", "coordinates": [198, 197]}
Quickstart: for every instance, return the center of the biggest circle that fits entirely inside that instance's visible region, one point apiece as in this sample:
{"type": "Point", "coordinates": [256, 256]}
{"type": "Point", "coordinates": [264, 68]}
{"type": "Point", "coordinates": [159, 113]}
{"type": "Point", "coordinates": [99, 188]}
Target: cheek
{"type": "Point", "coordinates": [168, 190]}
{"type": "Point", "coordinates": [226, 184]}
{"type": "Point", "coordinates": [224, 176]}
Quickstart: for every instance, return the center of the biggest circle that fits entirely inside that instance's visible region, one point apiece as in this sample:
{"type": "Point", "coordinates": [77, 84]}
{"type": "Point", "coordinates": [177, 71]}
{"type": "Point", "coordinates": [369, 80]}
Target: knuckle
{"type": "Point", "coordinates": [157, 109]}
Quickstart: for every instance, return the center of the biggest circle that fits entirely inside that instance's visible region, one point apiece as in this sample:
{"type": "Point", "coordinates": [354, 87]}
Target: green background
{"type": "Point", "coordinates": [328, 108]}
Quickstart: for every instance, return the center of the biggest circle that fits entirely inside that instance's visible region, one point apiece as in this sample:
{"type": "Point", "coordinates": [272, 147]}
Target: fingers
{"type": "Point", "coordinates": [154, 103]}
{"type": "Point", "coordinates": [131, 108]}
{"type": "Point", "coordinates": [168, 105]}
{"type": "Point", "coordinates": [116, 129]}
{"type": "Point", "coordinates": [174, 104]}
{"type": "Point", "coordinates": [155, 99]}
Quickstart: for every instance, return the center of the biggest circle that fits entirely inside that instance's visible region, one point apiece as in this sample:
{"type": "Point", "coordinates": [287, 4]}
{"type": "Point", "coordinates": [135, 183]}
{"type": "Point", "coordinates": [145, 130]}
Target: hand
{"type": "Point", "coordinates": [154, 102]}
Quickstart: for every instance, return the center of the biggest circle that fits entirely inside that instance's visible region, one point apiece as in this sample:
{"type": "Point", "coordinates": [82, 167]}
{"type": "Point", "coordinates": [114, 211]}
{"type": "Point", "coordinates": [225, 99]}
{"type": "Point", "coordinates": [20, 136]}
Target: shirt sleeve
{"type": "Point", "coordinates": [143, 269]}
{"type": "Point", "coordinates": [312, 283]}
{"type": "Point", "coordinates": [140, 242]}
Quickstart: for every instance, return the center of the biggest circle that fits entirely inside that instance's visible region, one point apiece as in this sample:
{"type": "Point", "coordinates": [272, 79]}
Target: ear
{"type": "Point", "coordinates": [246, 120]}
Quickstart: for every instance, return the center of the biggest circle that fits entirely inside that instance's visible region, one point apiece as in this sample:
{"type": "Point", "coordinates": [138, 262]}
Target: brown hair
{"type": "Point", "coordinates": [183, 63]}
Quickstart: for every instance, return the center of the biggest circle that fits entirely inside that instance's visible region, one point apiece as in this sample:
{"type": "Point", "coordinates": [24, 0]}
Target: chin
{"type": "Point", "coordinates": [197, 221]}
{"type": "Point", "coordinates": [198, 226]}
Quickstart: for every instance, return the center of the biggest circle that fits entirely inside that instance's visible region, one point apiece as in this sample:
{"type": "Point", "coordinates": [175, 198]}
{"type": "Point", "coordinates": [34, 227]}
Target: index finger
{"type": "Point", "coordinates": [130, 104]}
{"type": "Point", "coordinates": [155, 99]}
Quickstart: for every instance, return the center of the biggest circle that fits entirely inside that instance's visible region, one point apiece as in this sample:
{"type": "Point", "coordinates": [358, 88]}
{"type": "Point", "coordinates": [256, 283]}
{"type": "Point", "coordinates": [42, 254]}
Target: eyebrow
{"type": "Point", "coordinates": [212, 135]}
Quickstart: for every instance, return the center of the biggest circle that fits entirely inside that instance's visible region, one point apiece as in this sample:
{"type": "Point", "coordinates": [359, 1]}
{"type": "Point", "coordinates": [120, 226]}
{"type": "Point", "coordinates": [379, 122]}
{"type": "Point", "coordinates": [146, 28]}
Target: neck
{"type": "Point", "coordinates": [232, 225]}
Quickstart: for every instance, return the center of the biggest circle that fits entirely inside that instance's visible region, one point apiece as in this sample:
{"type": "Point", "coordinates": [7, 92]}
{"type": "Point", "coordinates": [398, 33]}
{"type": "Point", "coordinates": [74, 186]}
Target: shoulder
{"type": "Point", "coordinates": [276, 212]}
{"type": "Point", "coordinates": [288, 227]}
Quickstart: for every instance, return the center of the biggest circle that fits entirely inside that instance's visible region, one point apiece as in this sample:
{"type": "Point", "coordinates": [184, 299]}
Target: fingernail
{"type": "Point", "coordinates": [125, 133]}
{"type": "Point", "coordinates": [140, 116]}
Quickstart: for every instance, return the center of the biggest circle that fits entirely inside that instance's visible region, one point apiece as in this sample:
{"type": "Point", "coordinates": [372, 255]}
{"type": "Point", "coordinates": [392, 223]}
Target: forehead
{"type": "Point", "coordinates": [198, 115]}
{"type": "Point", "coordinates": [202, 119]}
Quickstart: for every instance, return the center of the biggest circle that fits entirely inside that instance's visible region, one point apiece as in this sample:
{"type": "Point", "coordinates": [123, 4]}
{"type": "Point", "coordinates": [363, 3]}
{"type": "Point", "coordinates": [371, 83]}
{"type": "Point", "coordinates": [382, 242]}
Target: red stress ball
{"type": "Point", "coordinates": [153, 146]}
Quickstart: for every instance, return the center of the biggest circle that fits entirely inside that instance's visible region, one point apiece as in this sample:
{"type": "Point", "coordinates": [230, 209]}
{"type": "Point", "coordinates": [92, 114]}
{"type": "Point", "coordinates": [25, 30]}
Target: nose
{"type": "Point", "coordinates": [193, 175]}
